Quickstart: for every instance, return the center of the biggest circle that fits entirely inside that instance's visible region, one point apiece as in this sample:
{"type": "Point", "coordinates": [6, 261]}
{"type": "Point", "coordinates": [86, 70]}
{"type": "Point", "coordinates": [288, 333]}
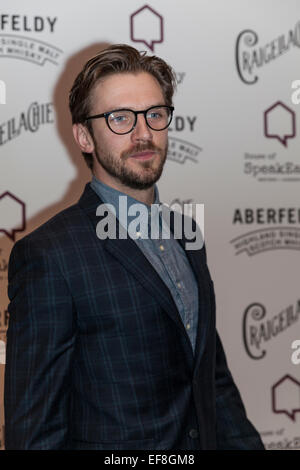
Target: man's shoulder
{"type": "Point", "coordinates": [56, 231]}
{"type": "Point", "coordinates": [65, 223]}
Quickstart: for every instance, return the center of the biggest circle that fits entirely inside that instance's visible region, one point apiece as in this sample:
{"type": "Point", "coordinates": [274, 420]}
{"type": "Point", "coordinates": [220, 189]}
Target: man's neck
{"type": "Point", "coordinates": [143, 195]}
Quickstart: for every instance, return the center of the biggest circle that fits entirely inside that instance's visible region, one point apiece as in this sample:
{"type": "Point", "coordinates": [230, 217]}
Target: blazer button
{"type": "Point", "coordinates": [193, 433]}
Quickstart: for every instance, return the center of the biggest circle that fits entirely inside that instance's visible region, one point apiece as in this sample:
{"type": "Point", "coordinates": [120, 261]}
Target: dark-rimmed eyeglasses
{"type": "Point", "coordinates": [123, 121]}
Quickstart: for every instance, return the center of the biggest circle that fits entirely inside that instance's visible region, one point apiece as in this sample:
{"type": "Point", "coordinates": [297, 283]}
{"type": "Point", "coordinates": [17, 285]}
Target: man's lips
{"type": "Point", "coordinates": [143, 155]}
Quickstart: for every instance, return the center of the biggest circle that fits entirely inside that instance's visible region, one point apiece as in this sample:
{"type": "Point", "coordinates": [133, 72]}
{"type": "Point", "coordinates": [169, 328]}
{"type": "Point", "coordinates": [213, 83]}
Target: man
{"type": "Point", "coordinates": [112, 341]}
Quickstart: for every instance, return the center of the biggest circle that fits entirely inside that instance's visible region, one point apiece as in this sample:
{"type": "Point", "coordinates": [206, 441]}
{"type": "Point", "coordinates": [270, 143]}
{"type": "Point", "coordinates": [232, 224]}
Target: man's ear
{"type": "Point", "coordinates": [83, 138]}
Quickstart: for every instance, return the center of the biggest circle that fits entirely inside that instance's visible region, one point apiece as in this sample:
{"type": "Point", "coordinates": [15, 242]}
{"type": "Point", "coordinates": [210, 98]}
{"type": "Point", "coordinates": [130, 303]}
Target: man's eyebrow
{"type": "Point", "coordinates": [124, 108]}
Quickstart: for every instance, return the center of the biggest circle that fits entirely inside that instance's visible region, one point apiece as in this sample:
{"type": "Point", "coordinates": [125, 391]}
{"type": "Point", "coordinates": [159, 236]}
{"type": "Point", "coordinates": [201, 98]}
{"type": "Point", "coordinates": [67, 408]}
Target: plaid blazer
{"type": "Point", "coordinates": [97, 354]}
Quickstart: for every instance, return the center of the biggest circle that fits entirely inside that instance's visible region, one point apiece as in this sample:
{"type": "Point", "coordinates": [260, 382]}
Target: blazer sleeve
{"type": "Point", "coordinates": [234, 430]}
{"type": "Point", "coordinates": [40, 345]}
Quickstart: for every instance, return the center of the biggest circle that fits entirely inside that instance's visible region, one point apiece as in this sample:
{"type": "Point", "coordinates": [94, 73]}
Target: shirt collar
{"type": "Point", "coordinates": [111, 196]}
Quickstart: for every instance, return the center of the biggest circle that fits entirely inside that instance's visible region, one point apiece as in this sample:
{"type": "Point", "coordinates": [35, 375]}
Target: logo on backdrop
{"type": "Point", "coordinates": [29, 120]}
{"type": "Point", "coordinates": [279, 230]}
{"type": "Point", "coordinates": [12, 215]}
{"type": "Point", "coordinates": [179, 149]}
{"type": "Point", "coordinates": [250, 56]}
{"type": "Point", "coordinates": [279, 124]}
{"type": "Point", "coordinates": [180, 76]}
{"type": "Point", "coordinates": [286, 396]}
{"type": "Point", "coordinates": [4, 316]}
{"type": "Point", "coordinates": [147, 26]}
{"type": "Point", "coordinates": [16, 44]}
{"type": "Point", "coordinates": [258, 331]}
{"type": "Point", "coordinates": [279, 441]}
{"type": "Point", "coordinates": [3, 268]}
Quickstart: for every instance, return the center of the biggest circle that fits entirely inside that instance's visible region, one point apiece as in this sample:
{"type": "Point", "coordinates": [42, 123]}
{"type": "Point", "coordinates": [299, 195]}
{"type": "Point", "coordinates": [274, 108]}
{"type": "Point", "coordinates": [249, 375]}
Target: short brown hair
{"type": "Point", "coordinates": [118, 58]}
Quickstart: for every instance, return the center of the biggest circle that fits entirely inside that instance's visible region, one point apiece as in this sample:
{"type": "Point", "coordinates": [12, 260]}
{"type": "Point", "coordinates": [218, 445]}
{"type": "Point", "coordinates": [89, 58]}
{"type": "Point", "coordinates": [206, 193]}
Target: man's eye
{"type": "Point", "coordinates": [154, 115]}
{"type": "Point", "coordinates": [119, 118]}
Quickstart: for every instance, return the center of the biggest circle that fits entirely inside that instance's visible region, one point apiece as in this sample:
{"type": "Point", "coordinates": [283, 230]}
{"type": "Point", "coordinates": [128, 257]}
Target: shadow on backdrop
{"type": "Point", "coordinates": [64, 129]}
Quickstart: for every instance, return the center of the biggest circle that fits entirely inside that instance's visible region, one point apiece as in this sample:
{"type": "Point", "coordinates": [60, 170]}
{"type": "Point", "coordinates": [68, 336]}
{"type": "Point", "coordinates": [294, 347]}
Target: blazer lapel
{"type": "Point", "coordinates": [203, 281]}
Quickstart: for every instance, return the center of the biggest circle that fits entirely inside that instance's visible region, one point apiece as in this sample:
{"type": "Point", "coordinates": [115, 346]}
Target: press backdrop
{"type": "Point", "coordinates": [234, 146]}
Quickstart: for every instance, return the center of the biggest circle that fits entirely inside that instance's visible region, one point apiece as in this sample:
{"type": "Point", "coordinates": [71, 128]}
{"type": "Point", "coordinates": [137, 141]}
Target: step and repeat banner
{"type": "Point", "coordinates": [234, 146]}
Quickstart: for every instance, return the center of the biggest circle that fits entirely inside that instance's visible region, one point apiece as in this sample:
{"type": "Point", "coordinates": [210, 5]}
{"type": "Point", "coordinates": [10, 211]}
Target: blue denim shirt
{"type": "Point", "coordinates": [167, 257]}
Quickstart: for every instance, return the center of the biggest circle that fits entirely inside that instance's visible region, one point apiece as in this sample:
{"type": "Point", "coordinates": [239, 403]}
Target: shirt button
{"type": "Point", "coordinates": [193, 433]}
{"type": "Point", "coordinates": [188, 326]}
{"type": "Point", "coordinates": [161, 247]}
{"type": "Point", "coordinates": [178, 284]}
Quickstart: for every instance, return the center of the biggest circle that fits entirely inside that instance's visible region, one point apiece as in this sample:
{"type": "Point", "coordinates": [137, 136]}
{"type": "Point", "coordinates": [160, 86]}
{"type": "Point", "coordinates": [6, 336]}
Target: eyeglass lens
{"type": "Point", "coordinates": [157, 118]}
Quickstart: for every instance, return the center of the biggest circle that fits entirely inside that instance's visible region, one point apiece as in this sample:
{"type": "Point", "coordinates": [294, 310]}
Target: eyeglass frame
{"type": "Point", "coordinates": [144, 112]}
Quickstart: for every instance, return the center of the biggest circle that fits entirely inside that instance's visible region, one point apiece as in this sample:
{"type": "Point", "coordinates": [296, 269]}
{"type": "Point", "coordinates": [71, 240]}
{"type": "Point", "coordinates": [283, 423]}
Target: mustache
{"type": "Point", "coordinates": [141, 147]}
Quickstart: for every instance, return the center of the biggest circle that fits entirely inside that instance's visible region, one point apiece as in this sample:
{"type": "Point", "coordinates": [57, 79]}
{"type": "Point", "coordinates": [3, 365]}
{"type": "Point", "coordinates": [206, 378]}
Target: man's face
{"type": "Point", "coordinates": [136, 159]}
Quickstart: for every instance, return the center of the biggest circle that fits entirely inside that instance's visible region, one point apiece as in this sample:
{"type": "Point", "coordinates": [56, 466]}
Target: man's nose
{"type": "Point", "coordinates": [141, 131]}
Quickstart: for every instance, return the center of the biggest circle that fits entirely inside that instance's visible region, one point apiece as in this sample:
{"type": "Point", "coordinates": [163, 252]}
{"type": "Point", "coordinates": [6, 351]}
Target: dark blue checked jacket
{"type": "Point", "coordinates": [97, 354]}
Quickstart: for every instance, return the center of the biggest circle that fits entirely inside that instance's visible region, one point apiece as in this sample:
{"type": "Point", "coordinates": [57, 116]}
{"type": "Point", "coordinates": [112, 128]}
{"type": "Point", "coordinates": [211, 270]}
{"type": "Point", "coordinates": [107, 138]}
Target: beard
{"type": "Point", "coordinates": [149, 172]}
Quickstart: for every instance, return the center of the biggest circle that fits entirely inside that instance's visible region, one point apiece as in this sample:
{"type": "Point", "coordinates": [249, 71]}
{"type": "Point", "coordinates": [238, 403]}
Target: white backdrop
{"type": "Point", "coordinates": [234, 146]}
